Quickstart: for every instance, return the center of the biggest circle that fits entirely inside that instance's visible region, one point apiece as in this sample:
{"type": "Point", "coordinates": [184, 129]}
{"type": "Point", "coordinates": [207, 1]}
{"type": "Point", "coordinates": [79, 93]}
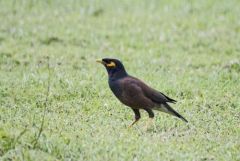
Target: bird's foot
{"type": "Point", "coordinates": [134, 122]}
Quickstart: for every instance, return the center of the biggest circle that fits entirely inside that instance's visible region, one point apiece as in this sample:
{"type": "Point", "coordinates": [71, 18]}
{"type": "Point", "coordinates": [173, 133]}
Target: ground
{"type": "Point", "coordinates": [55, 103]}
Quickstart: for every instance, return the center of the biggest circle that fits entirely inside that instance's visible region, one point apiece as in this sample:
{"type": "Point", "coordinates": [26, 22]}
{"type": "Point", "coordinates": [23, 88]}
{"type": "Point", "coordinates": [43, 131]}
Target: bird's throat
{"type": "Point", "coordinates": [116, 74]}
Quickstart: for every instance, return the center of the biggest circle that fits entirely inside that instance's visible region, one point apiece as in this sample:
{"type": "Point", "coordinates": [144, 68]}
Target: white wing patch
{"type": "Point", "coordinates": [162, 108]}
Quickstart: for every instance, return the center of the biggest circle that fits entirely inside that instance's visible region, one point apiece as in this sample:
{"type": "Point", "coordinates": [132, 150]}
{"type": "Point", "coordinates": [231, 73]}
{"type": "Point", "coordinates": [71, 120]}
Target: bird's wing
{"type": "Point", "coordinates": [159, 97]}
{"type": "Point", "coordinates": [133, 94]}
{"type": "Point", "coordinates": [153, 94]}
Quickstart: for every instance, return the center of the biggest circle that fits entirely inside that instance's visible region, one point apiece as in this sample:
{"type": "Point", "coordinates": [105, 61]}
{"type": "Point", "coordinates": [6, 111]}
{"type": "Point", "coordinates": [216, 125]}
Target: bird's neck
{"type": "Point", "coordinates": [115, 74]}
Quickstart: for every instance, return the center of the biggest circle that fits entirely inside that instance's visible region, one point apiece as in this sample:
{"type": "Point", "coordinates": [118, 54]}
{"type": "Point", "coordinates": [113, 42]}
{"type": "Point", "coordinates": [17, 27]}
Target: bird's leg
{"type": "Point", "coordinates": [137, 116]}
{"type": "Point", "coordinates": [151, 116]}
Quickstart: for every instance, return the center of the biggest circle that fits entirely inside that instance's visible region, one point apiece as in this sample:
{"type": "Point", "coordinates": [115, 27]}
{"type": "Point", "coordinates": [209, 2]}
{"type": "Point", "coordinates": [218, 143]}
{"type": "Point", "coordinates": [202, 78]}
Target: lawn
{"type": "Point", "coordinates": [55, 103]}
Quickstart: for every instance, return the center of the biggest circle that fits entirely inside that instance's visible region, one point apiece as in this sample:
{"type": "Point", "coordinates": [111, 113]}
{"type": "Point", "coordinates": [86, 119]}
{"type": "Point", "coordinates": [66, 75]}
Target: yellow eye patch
{"type": "Point", "coordinates": [112, 64]}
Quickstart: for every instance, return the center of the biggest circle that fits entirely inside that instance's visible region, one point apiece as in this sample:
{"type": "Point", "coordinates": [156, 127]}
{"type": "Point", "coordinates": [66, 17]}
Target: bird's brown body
{"type": "Point", "coordinates": [135, 93]}
{"type": "Point", "coordinates": [142, 96]}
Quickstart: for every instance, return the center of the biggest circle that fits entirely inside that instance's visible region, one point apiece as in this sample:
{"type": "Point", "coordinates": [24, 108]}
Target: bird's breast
{"type": "Point", "coordinates": [115, 87]}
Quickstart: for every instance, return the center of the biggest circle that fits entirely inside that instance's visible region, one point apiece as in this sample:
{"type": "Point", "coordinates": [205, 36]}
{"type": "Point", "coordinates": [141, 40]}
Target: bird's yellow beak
{"type": "Point", "coordinates": [112, 64]}
{"type": "Point", "coordinates": [99, 61]}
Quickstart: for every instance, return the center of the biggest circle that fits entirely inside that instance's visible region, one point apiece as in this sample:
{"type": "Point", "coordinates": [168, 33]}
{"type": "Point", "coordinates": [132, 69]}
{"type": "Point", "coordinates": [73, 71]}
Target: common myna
{"type": "Point", "coordinates": [135, 93]}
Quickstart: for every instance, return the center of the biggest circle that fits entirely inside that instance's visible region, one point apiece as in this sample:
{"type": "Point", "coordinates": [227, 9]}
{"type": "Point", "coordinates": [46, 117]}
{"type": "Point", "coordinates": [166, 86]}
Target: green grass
{"type": "Point", "coordinates": [190, 50]}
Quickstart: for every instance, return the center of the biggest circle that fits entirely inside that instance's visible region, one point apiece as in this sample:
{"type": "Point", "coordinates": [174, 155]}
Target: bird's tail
{"type": "Point", "coordinates": [168, 109]}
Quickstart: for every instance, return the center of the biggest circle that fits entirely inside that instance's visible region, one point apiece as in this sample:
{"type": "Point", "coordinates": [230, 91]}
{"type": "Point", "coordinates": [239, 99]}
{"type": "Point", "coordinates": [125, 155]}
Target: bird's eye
{"type": "Point", "coordinates": [111, 64]}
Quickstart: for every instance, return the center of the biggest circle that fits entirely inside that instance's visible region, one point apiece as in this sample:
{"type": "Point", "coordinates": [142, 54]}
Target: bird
{"type": "Point", "coordinates": [134, 93]}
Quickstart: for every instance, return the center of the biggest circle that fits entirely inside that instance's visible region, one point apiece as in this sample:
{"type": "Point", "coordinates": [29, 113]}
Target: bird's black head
{"type": "Point", "coordinates": [114, 68]}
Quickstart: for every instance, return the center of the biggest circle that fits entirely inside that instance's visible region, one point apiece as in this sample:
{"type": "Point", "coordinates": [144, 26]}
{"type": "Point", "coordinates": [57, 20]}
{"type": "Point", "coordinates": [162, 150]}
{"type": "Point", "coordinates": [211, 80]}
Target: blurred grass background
{"type": "Point", "coordinates": [189, 50]}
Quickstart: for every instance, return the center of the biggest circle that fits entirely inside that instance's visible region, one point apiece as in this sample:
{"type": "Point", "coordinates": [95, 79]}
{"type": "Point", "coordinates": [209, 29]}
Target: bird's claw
{"type": "Point", "coordinates": [133, 124]}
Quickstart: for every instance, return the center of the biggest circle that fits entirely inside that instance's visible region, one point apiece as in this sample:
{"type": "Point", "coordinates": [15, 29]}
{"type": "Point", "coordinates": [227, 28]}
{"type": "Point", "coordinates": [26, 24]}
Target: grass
{"type": "Point", "coordinates": [189, 50]}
